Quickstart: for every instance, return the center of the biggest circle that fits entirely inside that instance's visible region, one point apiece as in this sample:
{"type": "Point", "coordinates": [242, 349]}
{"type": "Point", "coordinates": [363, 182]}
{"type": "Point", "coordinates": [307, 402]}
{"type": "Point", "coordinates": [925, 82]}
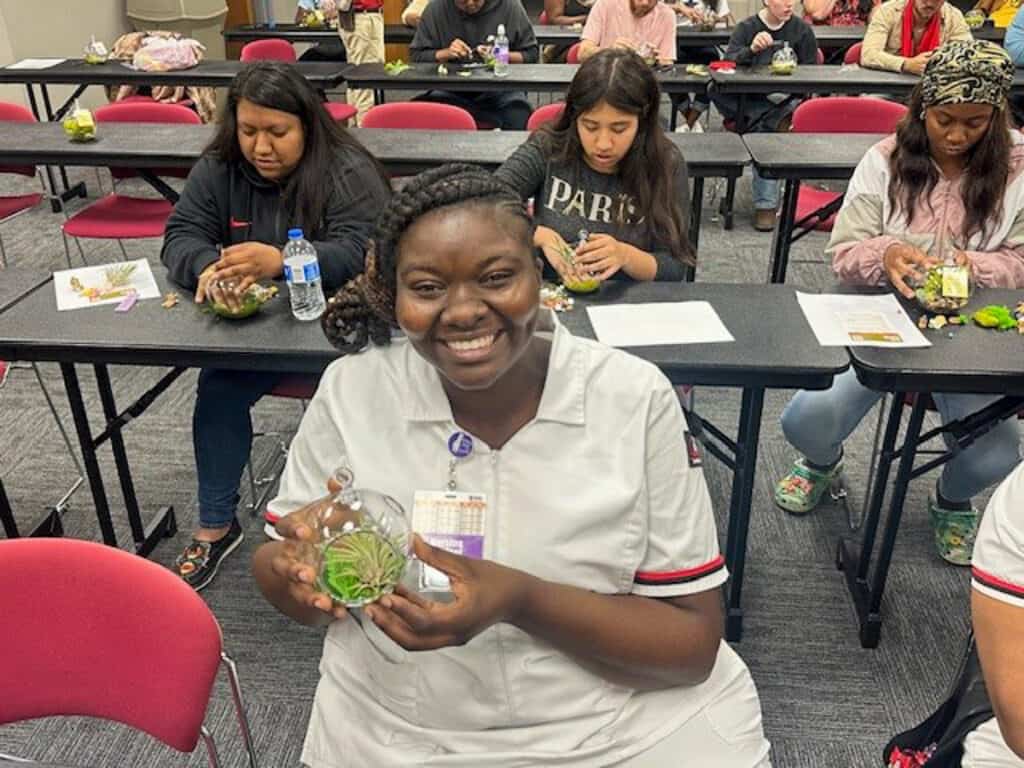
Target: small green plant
{"type": "Point", "coordinates": [361, 566]}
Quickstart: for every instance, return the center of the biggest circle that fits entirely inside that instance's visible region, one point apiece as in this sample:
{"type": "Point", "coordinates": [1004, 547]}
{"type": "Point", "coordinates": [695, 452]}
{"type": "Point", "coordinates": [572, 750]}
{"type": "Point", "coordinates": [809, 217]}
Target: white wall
{"type": "Point", "coordinates": [41, 30]}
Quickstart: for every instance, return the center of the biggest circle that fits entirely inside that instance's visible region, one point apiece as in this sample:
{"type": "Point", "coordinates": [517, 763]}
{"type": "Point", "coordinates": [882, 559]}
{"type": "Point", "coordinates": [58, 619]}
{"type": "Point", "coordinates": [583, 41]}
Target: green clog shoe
{"type": "Point", "coordinates": [802, 488]}
{"type": "Point", "coordinates": [955, 531]}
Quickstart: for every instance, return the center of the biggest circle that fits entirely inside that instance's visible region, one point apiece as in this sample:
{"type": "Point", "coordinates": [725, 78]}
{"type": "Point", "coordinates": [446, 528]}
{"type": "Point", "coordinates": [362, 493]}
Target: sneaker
{"type": "Point", "coordinates": [198, 563]}
{"type": "Point", "coordinates": [697, 127]}
{"type": "Point", "coordinates": [682, 127]}
{"type": "Point", "coordinates": [955, 531]}
{"type": "Point", "coordinates": [802, 488]}
{"type": "Point", "coordinates": [764, 219]}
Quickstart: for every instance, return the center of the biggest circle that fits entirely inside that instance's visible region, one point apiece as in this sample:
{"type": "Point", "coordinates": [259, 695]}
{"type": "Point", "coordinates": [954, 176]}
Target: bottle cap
{"type": "Point", "coordinates": [295, 234]}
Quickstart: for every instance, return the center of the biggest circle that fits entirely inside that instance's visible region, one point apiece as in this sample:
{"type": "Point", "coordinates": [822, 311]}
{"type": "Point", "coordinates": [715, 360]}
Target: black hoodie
{"type": "Point", "coordinates": [224, 205]}
{"type": "Point", "coordinates": [442, 22]}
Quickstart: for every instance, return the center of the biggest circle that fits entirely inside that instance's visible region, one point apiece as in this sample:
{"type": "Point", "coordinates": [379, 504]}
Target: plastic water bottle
{"type": "Point", "coordinates": [500, 52]}
{"type": "Point", "coordinates": [302, 271]}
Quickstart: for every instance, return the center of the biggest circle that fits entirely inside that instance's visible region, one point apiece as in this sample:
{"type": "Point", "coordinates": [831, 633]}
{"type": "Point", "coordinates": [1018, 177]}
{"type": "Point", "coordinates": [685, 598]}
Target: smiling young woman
{"type": "Point", "coordinates": [589, 634]}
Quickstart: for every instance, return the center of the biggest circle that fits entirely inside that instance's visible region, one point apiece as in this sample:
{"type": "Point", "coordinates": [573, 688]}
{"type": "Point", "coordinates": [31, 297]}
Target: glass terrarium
{"type": "Point", "coordinates": [363, 543]}
{"type": "Point", "coordinates": [783, 61]}
{"type": "Point", "coordinates": [944, 289]}
{"type": "Point", "coordinates": [975, 18]}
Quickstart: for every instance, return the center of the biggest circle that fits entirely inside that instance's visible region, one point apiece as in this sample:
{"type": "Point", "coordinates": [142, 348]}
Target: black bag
{"type": "Point", "coordinates": [967, 707]}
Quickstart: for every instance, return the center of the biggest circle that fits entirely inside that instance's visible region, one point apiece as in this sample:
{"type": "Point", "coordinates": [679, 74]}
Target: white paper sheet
{"type": "Point", "coordinates": [35, 63]}
{"type": "Point", "coordinates": [840, 320]}
{"type": "Point", "coordinates": [94, 288]}
{"type": "Point", "coordinates": [644, 325]}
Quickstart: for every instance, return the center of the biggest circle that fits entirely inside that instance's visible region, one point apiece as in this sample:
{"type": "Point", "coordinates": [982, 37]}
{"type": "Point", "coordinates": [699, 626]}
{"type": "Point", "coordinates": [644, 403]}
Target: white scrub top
{"type": "Point", "coordinates": [596, 492]}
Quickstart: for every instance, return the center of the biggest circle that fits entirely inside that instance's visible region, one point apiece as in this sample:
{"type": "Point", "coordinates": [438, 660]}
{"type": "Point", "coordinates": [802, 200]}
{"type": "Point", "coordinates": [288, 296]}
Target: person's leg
{"type": "Point", "coordinates": [364, 44]}
{"type": "Point", "coordinates": [510, 111]}
{"type": "Point", "coordinates": [983, 464]}
{"type": "Point", "coordinates": [816, 423]}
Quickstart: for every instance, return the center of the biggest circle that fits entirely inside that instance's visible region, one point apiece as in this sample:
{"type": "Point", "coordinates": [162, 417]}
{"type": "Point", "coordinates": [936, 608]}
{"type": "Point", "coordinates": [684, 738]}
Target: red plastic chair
{"type": "Point", "coordinates": [839, 114]}
{"type": "Point", "coordinates": [92, 630]}
{"type": "Point", "coordinates": [339, 111]}
{"type": "Point", "coordinates": [125, 217]}
{"type": "Point", "coordinates": [549, 113]}
{"type": "Point", "coordinates": [14, 205]}
{"type": "Point", "coordinates": [852, 55]}
{"type": "Point", "coordinates": [572, 56]}
{"type": "Point", "coordinates": [271, 49]}
{"type": "Point", "coordinates": [419, 115]}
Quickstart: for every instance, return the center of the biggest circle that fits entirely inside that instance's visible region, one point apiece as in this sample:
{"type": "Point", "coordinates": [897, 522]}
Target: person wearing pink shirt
{"type": "Point", "coordinates": [645, 26]}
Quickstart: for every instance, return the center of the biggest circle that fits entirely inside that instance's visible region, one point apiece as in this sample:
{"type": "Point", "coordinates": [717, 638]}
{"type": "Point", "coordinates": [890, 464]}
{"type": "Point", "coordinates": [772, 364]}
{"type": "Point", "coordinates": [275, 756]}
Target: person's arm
{"type": "Point", "coordinates": [666, 39]}
{"type": "Point", "coordinates": [739, 49]}
{"type": "Point", "coordinates": [957, 28]}
{"type": "Point", "coordinates": [414, 12]}
{"type": "Point", "coordinates": [555, 10]}
{"type": "Point", "coordinates": [872, 53]}
{"type": "Point", "coordinates": [428, 44]}
{"type": "Point", "coordinates": [819, 10]}
{"type": "Point", "coordinates": [806, 45]}
{"type": "Point", "coordinates": [195, 230]}
{"type": "Point", "coordinates": [359, 196]}
{"type": "Point", "coordinates": [522, 41]}
{"type": "Point", "coordinates": [999, 632]}
{"type": "Point", "coordinates": [525, 170]}
{"type": "Point", "coordinates": [1003, 267]}
{"type": "Point", "coordinates": [1014, 40]}
{"type": "Point", "coordinates": [593, 30]}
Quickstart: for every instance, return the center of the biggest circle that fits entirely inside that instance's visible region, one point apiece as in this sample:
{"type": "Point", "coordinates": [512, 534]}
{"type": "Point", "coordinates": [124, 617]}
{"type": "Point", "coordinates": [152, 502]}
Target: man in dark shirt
{"type": "Point", "coordinates": [450, 31]}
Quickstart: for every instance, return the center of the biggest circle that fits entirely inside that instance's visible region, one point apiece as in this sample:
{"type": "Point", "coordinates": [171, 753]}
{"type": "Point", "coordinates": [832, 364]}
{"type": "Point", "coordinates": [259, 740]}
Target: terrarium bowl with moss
{"type": "Point", "coordinates": [365, 545]}
{"type": "Point", "coordinates": [944, 289]}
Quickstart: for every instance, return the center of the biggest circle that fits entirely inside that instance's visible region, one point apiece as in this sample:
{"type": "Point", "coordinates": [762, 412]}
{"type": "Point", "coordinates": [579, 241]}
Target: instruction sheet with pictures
{"type": "Point", "coordinates": [104, 284]}
{"type": "Point", "coordinates": [841, 320]}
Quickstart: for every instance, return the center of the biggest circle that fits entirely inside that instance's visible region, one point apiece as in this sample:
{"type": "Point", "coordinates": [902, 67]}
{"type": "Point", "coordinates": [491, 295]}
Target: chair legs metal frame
{"type": "Point", "coordinates": [867, 589]}
{"type": "Point", "coordinates": [259, 488]}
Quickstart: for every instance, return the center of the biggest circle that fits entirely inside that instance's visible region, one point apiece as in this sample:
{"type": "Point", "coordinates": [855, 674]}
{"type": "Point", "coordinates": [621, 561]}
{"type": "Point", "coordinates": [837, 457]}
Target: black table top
{"type": "Point", "coordinates": [757, 315]}
{"type": "Point", "coordinates": [774, 347]}
{"type": "Point", "coordinates": [295, 33]}
{"type": "Point", "coordinates": [973, 361]}
{"type": "Point", "coordinates": [208, 72]}
{"type": "Point", "coordinates": [808, 155]}
{"type": "Point", "coordinates": [521, 77]}
{"type": "Point", "coordinates": [15, 282]}
{"type": "Point", "coordinates": [824, 78]}
{"type": "Point", "coordinates": [400, 151]}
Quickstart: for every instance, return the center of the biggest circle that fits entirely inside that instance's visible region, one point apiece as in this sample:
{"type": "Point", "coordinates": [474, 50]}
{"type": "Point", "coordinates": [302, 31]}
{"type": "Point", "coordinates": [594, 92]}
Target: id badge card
{"type": "Point", "coordinates": [452, 521]}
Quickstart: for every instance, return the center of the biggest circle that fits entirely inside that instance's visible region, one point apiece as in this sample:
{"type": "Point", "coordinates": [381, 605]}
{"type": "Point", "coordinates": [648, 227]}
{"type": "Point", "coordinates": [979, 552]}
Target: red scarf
{"type": "Point", "coordinates": [929, 40]}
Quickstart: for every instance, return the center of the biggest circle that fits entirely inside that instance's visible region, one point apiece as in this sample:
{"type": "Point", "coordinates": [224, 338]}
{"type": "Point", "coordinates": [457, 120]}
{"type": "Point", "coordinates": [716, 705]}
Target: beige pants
{"type": "Point", "coordinates": [984, 747]}
{"type": "Point", "coordinates": [364, 45]}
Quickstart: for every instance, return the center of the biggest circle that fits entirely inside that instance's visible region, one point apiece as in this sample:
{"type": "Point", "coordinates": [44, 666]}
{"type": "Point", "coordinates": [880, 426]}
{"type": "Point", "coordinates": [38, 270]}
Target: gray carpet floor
{"type": "Point", "coordinates": [826, 701]}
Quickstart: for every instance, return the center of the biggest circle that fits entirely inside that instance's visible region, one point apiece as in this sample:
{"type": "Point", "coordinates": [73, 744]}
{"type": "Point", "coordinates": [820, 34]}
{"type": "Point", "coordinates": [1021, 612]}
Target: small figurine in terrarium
{"type": "Point", "coordinates": [945, 288]}
{"type": "Point", "coordinates": [783, 61]}
{"type": "Point", "coordinates": [362, 542]}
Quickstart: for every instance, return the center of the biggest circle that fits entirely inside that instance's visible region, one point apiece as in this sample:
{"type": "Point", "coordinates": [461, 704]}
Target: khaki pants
{"type": "Point", "coordinates": [364, 45]}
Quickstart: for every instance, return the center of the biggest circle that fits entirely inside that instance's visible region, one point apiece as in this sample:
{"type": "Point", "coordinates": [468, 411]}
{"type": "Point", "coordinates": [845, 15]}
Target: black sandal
{"type": "Point", "coordinates": [198, 563]}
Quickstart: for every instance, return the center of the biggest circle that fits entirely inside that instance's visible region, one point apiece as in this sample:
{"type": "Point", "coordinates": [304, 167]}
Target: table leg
{"type": "Point", "coordinates": [7, 515]}
{"type": "Point", "coordinates": [146, 537]}
{"type": "Point", "coordinates": [782, 237]}
{"type": "Point", "coordinates": [747, 436]}
{"type": "Point", "coordinates": [696, 207]}
{"type": "Point", "coordinates": [868, 600]}
{"type": "Point", "coordinates": [85, 444]}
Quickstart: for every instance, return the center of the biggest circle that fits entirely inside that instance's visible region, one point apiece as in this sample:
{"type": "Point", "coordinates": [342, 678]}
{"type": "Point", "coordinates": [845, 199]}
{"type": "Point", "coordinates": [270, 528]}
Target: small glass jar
{"type": "Point", "coordinates": [945, 289]}
{"type": "Point", "coordinates": [363, 542]}
{"type": "Point", "coordinates": [783, 61]}
{"type": "Point", "coordinates": [975, 18]}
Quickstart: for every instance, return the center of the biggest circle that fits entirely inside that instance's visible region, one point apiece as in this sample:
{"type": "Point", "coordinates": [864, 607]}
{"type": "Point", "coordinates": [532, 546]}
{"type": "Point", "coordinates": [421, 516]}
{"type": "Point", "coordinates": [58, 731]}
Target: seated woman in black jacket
{"type": "Point", "coordinates": [278, 160]}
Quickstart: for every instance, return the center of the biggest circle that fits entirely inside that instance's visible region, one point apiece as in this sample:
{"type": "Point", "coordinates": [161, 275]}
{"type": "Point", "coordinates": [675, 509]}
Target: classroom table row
{"type": "Point", "coordinates": [830, 39]}
{"type": "Point", "coordinates": [757, 316]}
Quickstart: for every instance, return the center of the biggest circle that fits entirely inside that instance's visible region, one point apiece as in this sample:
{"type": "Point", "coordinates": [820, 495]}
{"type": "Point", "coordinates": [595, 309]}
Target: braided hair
{"type": "Point", "coordinates": [363, 311]}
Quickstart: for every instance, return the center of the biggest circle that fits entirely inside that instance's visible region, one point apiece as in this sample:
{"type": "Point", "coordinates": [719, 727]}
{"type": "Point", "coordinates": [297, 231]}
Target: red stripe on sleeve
{"type": "Point", "coordinates": [996, 583]}
{"type": "Point", "coordinates": [676, 577]}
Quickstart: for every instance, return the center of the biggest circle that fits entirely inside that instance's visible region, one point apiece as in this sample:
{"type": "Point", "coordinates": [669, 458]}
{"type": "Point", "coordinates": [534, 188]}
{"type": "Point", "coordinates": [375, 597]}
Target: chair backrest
{"type": "Point", "coordinates": [573, 54]}
{"type": "Point", "coordinates": [146, 112]}
{"type": "Point", "coordinates": [852, 55]}
{"type": "Point", "coordinates": [16, 113]}
{"type": "Point", "coordinates": [270, 49]}
{"type": "Point", "coordinates": [92, 630]}
{"type": "Point", "coordinates": [420, 115]}
{"type": "Point", "coordinates": [549, 113]}
{"type": "Point", "coordinates": [819, 56]}
{"type": "Point", "coordinates": [340, 111]}
{"type": "Point", "coordinates": [847, 114]}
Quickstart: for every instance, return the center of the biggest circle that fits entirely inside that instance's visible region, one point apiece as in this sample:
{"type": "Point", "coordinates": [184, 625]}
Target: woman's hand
{"type": "Point", "coordinates": [557, 251]}
{"type": "Point", "coordinates": [963, 260]}
{"type": "Point", "coordinates": [246, 263]}
{"type": "Point", "coordinates": [213, 288]}
{"type": "Point", "coordinates": [902, 261]}
{"type": "Point", "coordinates": [458, 49]}
{"type": "Point", "coordinates": [688, 12]}
{"type": "Point", "coordinates": [761, 41]}
{"type": "Point", "coordinates": [485, 594]}
{"type": "Point", "coordinates": [602, 256]}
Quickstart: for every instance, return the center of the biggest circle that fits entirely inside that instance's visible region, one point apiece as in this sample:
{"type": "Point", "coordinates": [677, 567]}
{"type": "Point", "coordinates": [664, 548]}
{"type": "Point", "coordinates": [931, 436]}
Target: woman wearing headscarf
{"type": "Point", "coordinates": [949, 183]}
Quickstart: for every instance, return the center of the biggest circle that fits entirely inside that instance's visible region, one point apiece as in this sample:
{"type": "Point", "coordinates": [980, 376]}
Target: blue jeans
{"type": "Point", "coordinates": [764, 191]}
{"type": "Point", "coordinates": [222, 437]}
{"type": "Point", "coordinates": [508, 110]}
{"type": "Point", "coordinates": [816, 423]}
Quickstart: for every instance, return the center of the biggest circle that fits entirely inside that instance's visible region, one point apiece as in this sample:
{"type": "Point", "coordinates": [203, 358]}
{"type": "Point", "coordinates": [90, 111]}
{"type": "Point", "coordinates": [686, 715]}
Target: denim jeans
{"type": "Point", "coordinates": [816, 423]}
{"type": "Point", "coordinates": [764, 191]}
{"type": "Point", "coordinates": [508, 110]}
{"type": "Point", "coordinates": [222, 437]}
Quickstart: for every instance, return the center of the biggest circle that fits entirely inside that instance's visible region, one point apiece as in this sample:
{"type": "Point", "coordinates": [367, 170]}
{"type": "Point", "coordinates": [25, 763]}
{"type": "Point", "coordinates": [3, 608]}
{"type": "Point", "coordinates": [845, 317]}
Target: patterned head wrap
{"type": "Point", "coordinates": [967, 72]}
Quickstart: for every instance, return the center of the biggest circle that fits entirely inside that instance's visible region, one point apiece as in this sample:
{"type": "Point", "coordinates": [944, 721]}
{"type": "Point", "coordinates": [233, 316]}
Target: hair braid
{"type": "Point", "coordinates": [364, 310]}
